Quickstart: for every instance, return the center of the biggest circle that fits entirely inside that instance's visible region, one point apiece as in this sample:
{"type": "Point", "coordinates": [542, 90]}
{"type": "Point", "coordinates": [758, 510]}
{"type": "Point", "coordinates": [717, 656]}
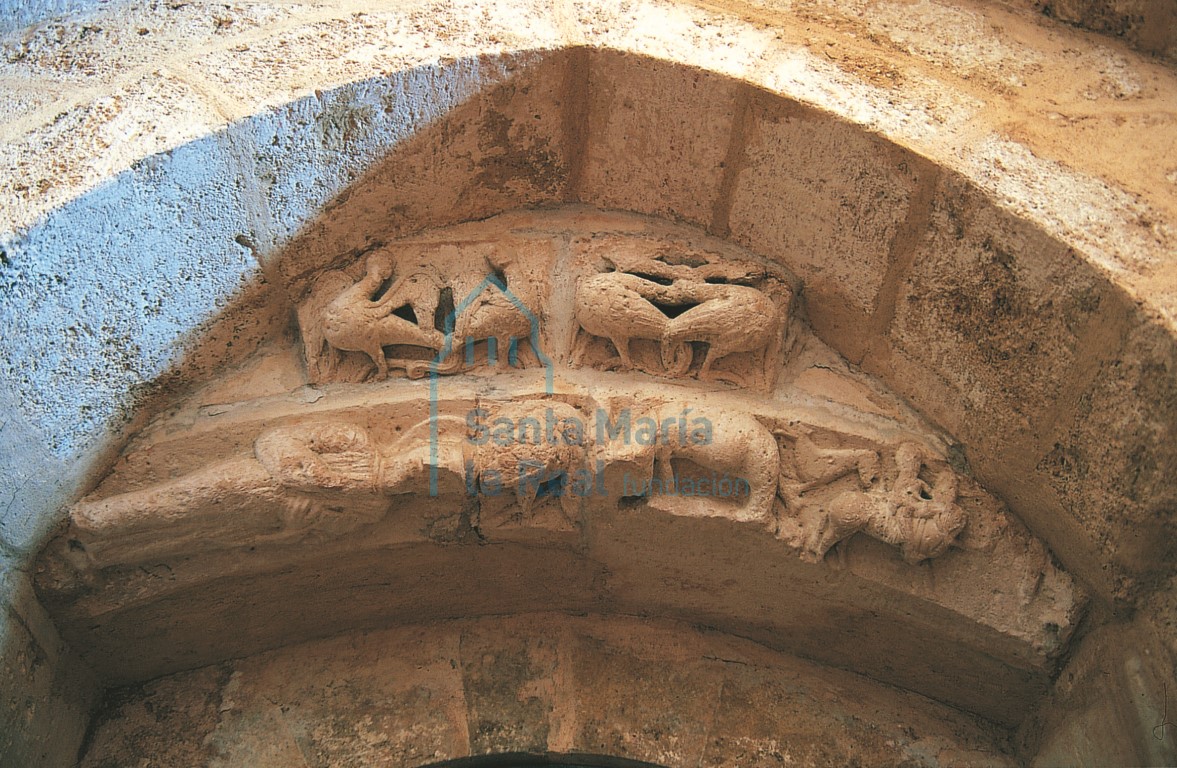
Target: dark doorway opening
{"type": "Point", "coordinates": [524, 760]}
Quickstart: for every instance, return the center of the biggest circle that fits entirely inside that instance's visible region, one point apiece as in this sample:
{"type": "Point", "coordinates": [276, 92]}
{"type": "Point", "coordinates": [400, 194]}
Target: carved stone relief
{"type": "Point", "coordinates": [669, 427]}
{"type": "Point", "coordinates": [898, 494]}
{"type": "Point", "coordinates": [422, 308]}
{"type": "Point", "coordinates": [672, 307]}
{"type": "Point", "coordinates": [529, 460]}
{"type": "Point", "coordinates": [669, 309]}
{"type": "Point", "coordinates": [688, 460]}
{"type": "Point", "coordinates": [324, 478]}
{"type": "Point", "coordinates": [683, 313]}
{"type": "Point", "coordinates": [525, 459]}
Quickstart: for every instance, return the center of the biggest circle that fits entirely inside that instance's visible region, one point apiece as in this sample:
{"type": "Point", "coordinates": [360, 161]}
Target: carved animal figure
{"type": "Point", "coordinates": [617, 306]}
{"type": "Point", "coordinates": [316, 463]}
{"type": "Point", "coordinates": [729, 318]}
{"type": "Point", "coordinates": [528, 459]}
{"type": "Point", "coordinates": [320, 357]}
{"type": "Point", "coordinates": [492, 314]}
{"type": "Point", "coordinates": [807, 466]}
{"type": "Point", "coordinates": [674, 305]}
{"type": "Point", "coordinates": [330, 478]}
{"type": "Point", "coordinates": [740, 448]}
{"type": "Point", "coordinates": [355, 321]}
{"type": "Point", "coordinates": [320, 457]}
{"type": "Point", "coordinates": [923, 522]}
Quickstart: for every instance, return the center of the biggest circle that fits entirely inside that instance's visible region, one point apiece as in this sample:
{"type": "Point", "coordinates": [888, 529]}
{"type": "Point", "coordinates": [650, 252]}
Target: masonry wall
{"type": "Point", "coordinates": [182, 158]}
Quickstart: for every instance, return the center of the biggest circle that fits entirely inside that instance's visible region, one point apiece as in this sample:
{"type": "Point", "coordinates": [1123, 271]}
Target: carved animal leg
{"type": "Point", "coordinates": [820, 540]}
{"type": "Point", "coordinates": [708, 360]}
{"type": "Point", "coordinates": [580, 343]}
{"type": "Point", "coordinates": [837, 524]}
{"type": "Point", "coordinates": [665, 468]}
{"type": "Point", "coordinates": [380, 361]}
{"type": "Point", "coordinates": [622, 346]}
{"type": "Point", "coordinates": [771, 354]}
{"type": "Point", "coordinates": [533, 351]}
{"type": "Point", "coordinates": [503, 353]}
{"type": "Point", "coordinates": [706, 374]}
{"type": "Point", "coordinates": [829, 537]}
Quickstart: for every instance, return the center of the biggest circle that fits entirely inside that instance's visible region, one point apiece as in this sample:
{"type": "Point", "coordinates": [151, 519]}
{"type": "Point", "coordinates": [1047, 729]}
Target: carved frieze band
{"type": "Point", "coordinates": [543, 463]}
{"type": "Point", "coordinates": [674, 312]}
{"type": "Point", "coordinates": [539, 464]}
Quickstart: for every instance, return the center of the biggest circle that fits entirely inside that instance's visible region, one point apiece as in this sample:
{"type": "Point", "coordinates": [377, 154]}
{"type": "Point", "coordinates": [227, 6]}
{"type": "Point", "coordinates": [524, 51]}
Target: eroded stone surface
{"type": "Point", "coordinates": [673, 491]}
{"type": "Point", "coordinates": [546, 683]}
{"type": "Point", "coordinates": [1113, 702]}
{"type": "Point", "coordinates": [46, 693]}
{"type": "Point", "coordinates": [672, 163]}
{"type": "Point", "coordinates": [1083, 133]}
{"type": "Point", "coordinates": [839, 241]}
{"type": "Point", "coordinates": [680, 310]}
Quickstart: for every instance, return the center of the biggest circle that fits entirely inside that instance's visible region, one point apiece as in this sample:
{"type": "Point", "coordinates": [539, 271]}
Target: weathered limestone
{"type": "Point", "coordinates": [844, 240]}
{"type": "Point", "coordinates": [361, 105]}
{"type": "Point", "coordinates": [680, 312]}
{"type": "Point", "coordinates": [47, 694]}
{"type": "Point", "coordinates": [1147, 26]}
{"type": "Point", "coordinates": [445, 308]}
{"type": "Point", "coordinates": [299, 140]}
{"type": "Point", "coordinates": [490, 154]}
{"type": "Point", "coordinates": [1116, 684]}
{"type": "Point", "coordinates": [615, 484]}
{"type": "Point", "coordinates": [673, 163]}
{"type": "Point", "coordinates": [546, 683]}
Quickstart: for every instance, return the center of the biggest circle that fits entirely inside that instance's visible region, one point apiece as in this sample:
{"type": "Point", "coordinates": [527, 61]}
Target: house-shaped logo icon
{"type": "Point", "coordinates": [494, 287]}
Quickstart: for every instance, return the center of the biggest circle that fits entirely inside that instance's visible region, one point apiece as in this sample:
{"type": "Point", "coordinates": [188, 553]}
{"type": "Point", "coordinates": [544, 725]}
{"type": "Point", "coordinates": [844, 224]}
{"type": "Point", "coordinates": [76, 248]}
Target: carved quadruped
{"type": "Point", "coordinates": [832, 491]}
{"type": "Point", "coordinates": [525, 459]}
{"type": "Point", "coordinates": [500, 312]}
{"type": "Point", "coordinates": [666, 490]}
{"type": "Point", "coordinates": [585, 475]}
{"type": "Point", "coordinates": [322, 479]}
{"type": "Point", "coordinates": [668, 309]}
{"type": "Point", "coordinates": [426, 308]}
{"type": "Point", "coordinates": [528, 462]}
{"type": "Point", "coordinates": [683, 313]}
{"type": "Point", "coordinates": [368, 315]}
{"type": "Point", "coordinates": [684, 459]}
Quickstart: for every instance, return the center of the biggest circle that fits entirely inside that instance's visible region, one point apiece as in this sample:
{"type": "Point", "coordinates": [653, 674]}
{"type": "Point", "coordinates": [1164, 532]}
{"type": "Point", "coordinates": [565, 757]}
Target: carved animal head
{"type": "Point", "coordinates": [379, 265]}
{"type": "Point", "coordinates": [868, 470]}
{"type": "Point", "coordinates": [909, 458]}
{"type": "Point", "coordinates": [500, 259]}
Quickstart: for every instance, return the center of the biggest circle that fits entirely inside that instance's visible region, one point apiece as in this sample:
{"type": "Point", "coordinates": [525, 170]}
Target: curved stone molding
{"type": "Point", "coordinates": [764, 487]}
{"type": "Point", "coordinates": [324, 478]}
{"type": "Point", "coordinates": [330, 476]}
{"type": "Point", "coordinates": [530, 685]}
{"type": "Point", "coordinates": [1006, 271]}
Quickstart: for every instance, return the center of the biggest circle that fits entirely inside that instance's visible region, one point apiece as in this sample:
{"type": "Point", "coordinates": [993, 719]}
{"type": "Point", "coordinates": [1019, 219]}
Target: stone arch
{"type": "Point", "coordinates": [936, 295]}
